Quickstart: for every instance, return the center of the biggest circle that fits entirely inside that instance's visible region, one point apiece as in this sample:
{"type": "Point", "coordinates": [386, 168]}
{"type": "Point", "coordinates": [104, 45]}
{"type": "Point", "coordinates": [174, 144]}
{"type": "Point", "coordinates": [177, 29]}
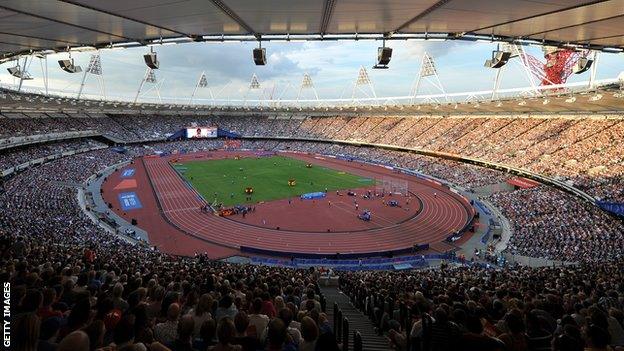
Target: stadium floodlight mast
{"type": "Point", "coordinates": [254, 84]}
{"type": "Point", "coordinates": [428, 73]}
{"type": "Point", "coordinates": [202, 82]}
{"type": "Point", "coordinates": [43, 62]}
{"type": "Point", "coordinates": [149, 77]}
{"type": "Point", "coordinates": [306, 83]}
{"type": "Point", "coordinates": [94, 68]}
{"type": "Point", "coordinates": [362, 80]}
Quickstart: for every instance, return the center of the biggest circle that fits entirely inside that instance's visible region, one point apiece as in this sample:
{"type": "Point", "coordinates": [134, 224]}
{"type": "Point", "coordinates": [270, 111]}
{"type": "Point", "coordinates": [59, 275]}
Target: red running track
{"type": "Point", "coordinates": [440, 216]}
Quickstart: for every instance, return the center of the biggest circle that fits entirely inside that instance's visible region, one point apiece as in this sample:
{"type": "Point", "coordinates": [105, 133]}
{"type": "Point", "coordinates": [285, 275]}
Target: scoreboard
{"type": "Point", "coordinates": [201, 132]}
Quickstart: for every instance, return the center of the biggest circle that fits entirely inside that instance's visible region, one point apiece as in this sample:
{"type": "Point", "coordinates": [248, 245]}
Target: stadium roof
{"type": "Point", "coordinates": [36, 25]}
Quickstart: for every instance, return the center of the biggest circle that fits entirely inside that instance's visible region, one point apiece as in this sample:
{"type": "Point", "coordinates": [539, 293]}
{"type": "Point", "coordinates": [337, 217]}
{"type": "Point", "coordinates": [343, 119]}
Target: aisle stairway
{"type": "Point", "coordinates": [357, 321]}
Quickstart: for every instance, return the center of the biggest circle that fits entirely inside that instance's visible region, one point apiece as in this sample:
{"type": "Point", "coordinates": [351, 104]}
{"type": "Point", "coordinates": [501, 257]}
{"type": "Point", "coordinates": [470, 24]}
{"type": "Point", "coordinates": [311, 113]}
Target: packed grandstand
{"type": "Point", "coordinates": [56, 257]}
{"type": "Point", "coordinates": [479, 221]}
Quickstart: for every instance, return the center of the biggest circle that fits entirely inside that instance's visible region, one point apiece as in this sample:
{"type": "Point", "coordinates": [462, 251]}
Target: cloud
{"type": "Point", "coordinates": [333, 66]}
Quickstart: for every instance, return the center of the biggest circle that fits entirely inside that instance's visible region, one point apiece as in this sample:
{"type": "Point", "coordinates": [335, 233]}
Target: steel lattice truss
{"type": "Point", "coordinates": [203, 82]}
{"type": "Point", "coordinates": [306, 82]}
{"type": "Point", "coordinates": [151, 77]}
{"type": "Point", "coordinates": [95, 65]}
{"type": "Point", "coordinates": [428, 67]}
{"type": "Point", "coordinates": [255, 84]}
{"type": "Point", "coordinates": [363, 78]}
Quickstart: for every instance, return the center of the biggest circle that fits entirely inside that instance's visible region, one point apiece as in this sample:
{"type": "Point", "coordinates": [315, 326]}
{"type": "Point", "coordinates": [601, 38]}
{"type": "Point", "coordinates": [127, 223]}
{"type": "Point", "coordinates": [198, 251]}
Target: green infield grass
{"type": "Point", "coordinates": [268, 176]}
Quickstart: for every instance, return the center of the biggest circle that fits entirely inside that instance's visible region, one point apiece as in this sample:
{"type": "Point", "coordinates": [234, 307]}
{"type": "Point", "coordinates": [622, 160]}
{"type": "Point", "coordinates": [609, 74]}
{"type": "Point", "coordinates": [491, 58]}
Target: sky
{"type": "Point", "coordinates": [332, 65]}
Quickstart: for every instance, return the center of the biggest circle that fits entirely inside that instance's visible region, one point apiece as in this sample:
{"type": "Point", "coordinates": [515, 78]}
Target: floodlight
{"type": "Point", "coordinates": [17, 73]}
{"type": "Point", "coordinates": [498, 60]}
{"type": "Point", "coordinates": [384, 54]}
{"type": "Point", "coordinates": [259, 55]}
{"type": "Point", "coordinates": [151, 60]}
{"type": "Point", "coordinates": [582, 65]}
{"type": "Point", "coordinates": [69, 66]}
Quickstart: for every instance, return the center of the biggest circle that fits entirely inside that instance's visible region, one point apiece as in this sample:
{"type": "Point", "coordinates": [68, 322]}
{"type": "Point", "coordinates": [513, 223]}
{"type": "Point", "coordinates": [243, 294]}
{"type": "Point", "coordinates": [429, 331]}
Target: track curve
{"type": "Point", "coordinates": [443, 212]}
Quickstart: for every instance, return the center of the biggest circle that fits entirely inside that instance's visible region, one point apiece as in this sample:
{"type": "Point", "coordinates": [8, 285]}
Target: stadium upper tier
{"type": "Point", "coordinates": [31, 25]}
{"type": "Point", "coordinates": [586, 150]}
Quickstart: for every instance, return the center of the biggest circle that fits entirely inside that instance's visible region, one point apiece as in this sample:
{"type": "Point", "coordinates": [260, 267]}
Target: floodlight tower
{"type": "Point", "coordinates": [427, 73]}
{"type": "Point", "coordinates": [149, 77]}
{"type": "Point", "coordinates": [306, 83]}
{"type": "Point", "coordinates": [202, 83]}
{"type": "Point", "coordinates": [363, 80]}
{"type": "Point", "coordinates": [254, 84]}
{"type": "Point", "coordinates": [94, 68]}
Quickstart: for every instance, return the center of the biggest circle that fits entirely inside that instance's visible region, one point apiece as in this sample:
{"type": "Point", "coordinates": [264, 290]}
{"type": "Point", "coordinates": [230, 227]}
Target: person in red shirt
{"type": "Point", "coordinates": [89, 255]}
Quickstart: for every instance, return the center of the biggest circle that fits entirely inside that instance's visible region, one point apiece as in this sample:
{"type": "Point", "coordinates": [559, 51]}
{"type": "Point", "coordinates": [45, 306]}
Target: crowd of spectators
{"type": "Point", "coordinates": [586, 150]}
{"type": "Point", "coordinates": [473, 308]}
{"type": "Point", "coordinates": [16, 156]}
{"type": "Point", "coordinates": [551, 224]}
{"type": "Point", "coordinates": [547, 223]}
{"type": "Point", "coordinates": [76, 287]}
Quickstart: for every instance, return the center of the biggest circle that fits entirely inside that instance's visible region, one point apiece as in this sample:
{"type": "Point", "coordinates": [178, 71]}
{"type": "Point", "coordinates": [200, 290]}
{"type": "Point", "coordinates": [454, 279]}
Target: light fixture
{"type": "Point", "coordinates": [545, 102]}
{"type": "Point", "coordinates": [259, 54]}
{"type": "Point", "coordinates": [69, 66]}
{"type": "Point", "coordinates": [384, 54]}
{"type": "Point", "coordinates": [17, 73]}
{"type": "Point", "coordinates": [582, 65]}
{"type": "Point", "coordinates": [151, 60]}
{"type": "Point", "coordinates": [522, 103]}
{"type": "Point", "coordinates": [571, 99]}
{"type": "Point", "coordinates": [499, 104]}
{"type": "Point", "coordinates": [498, 60]}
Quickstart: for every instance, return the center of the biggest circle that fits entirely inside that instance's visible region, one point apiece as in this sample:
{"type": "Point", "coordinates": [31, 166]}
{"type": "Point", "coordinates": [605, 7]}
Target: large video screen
{"type": "Point", "coordinates": [201, 132]}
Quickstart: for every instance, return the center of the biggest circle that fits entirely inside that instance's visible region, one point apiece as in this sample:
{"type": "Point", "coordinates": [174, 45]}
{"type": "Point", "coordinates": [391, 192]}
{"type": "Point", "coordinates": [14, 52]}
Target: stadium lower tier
{"type": "Point", "coordinates": [289, 226]}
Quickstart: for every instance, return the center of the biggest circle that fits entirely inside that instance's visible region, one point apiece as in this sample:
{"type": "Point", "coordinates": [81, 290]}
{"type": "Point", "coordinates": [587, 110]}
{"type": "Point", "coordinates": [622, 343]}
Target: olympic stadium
{"type": "Point", "coordinates": [312, 175]}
